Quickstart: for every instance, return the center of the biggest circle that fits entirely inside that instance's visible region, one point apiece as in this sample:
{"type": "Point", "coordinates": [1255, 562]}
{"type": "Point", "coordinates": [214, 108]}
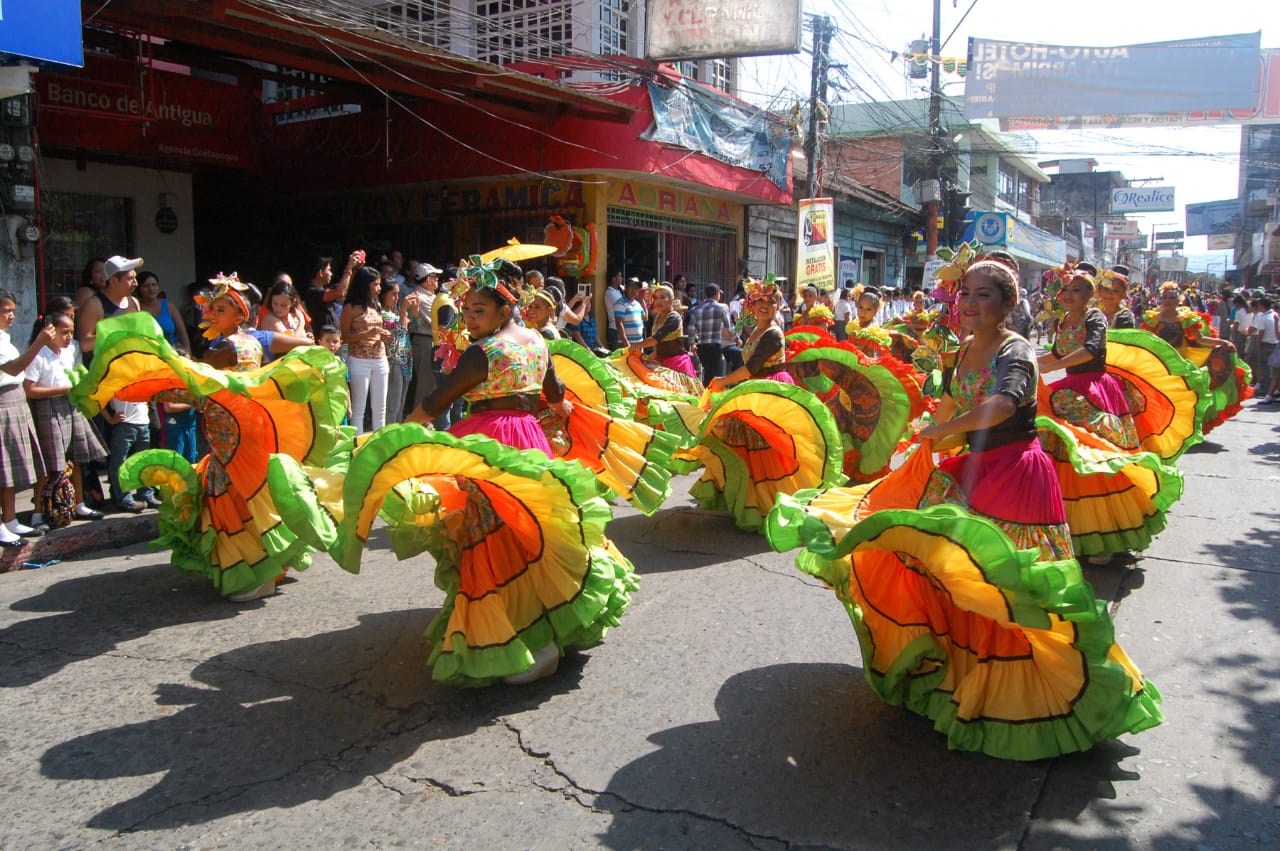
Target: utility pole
{"type": "Point", "coordinates": [935, 134]}
{"type": "Point", "coordinates": [817, 99]}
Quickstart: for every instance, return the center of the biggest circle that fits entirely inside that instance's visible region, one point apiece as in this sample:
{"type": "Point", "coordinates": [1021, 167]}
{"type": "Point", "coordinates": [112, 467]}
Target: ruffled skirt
{"type": "Point", "coordinates": [1095, 401]}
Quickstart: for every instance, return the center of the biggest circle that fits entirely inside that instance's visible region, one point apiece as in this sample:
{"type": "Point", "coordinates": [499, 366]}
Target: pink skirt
{"type": "Point", "coordinates": [517, 429]}
{"type": "Point", "coordinates": [1015, 483]}
{"type": "Point", "coordinates": [1096, 402]}
{"type": "Point", "coordinates": [781, 376]}
{"type": "Point", "coordinates": [680, 363]}
{"type": "Point", "coordinates": [1101, 389]}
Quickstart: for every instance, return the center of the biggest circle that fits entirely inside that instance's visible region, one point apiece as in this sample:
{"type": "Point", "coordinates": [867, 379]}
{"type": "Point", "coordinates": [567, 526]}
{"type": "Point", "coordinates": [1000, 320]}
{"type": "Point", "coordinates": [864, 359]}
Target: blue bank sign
{"type": "Point", "coordinates": [43, 31]}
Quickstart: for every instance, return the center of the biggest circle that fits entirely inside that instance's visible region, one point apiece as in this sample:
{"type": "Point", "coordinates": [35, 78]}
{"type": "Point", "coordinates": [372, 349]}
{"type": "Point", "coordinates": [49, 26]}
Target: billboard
{"type": "Point", "coordinates": [815, 263]}
{"type": "Point", "coordinates": [42, 30]}
{"type": "Point", "coordinates": [1172, 264]}
{"type": "Point", "coordinates": [1146, 199]}
{"type": "Point", "coordinates": [1128, 229]}
{"type": "Point", "coordinates": [710, 29]}
{"type": "Point", "coordinates": [1212, 217]}
{"type": "Point", "coordinates": [1055, 86]}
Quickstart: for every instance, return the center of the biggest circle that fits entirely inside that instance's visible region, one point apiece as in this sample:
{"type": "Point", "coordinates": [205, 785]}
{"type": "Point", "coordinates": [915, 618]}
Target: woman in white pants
{"type": "Point", "coordinates": [365, 336]}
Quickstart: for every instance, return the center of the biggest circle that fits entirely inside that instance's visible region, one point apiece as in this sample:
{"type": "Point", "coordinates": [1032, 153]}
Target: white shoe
{"type": "Point", "coordinates": [546, 660]}
{"type": "Point", "coordinates": [266, 589]}
{"type": "Point", "coordinates": [18, 528]}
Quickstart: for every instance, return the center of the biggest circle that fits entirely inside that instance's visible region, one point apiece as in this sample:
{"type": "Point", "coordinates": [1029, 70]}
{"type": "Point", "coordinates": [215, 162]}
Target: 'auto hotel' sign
{"type": "Point", "coordinates": [1145, 199]}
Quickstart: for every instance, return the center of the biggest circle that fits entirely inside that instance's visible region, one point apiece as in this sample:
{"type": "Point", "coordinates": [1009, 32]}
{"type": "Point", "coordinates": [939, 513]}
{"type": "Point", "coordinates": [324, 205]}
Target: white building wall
{"type": "Point", "coordinates": [171, 256]}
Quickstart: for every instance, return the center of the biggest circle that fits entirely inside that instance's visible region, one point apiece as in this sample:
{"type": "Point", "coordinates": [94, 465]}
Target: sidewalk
{"type": "Point", "coordinates": [81, 538]}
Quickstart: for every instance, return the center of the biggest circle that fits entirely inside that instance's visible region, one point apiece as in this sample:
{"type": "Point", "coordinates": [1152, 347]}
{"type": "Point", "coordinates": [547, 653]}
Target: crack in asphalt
{"type": "Point", "coordinates": [802, 578]}
{"type": "Point", "coordinates": [573, 791]}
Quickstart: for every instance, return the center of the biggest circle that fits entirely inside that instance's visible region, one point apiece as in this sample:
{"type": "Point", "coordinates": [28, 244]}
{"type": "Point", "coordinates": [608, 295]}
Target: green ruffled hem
{"type": "Point", "coordinates": [663, 415]}
{"type": "Point", "coordinates": [1112, 704]}
{"type": "Point", "coordinates": [1169, 489]}
{"type": "Point", "coordinates": [653, 486]}
{"type": "Point", "coordinates": [584, 620]}
{"type": "Point", "coordinates": [895, 406]}
{"type": "Point", "coordinates": [731, 496]}
{"type": "Point", "coordinates": [322, 387]}
{"type": "Point", "coordinates": [597, 606]}
{"type": "Point", "coordinates": [617, 404]}
{"type": "Point", "coordinates": [1175, 364]}
{"type": "Point", "coordinates": [190, 548]}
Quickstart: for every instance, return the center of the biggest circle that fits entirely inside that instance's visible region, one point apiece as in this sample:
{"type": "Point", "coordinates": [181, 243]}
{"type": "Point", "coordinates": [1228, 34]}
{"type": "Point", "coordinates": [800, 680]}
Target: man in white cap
{"type": "Point", "coordinates": [426, 281]}
{"type": "Point", "coordinates": [116, 297]}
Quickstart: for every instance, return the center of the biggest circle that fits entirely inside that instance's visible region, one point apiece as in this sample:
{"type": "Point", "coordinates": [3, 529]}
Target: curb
{"type": "Point", "coordinates": [108, 533]}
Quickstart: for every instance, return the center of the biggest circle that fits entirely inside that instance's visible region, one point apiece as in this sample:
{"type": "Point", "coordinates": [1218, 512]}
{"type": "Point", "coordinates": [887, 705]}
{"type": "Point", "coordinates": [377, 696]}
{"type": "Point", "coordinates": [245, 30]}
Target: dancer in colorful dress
{"type": "Point", "coordinates": [218, 517]}
{"type": "Point", "coordinates": [968, 606]}
{"type": "Point", "coordinates": [1087, 396]}
{"type": "Point", "coordinates": [764, 354]}
{"type": "Point", "coordinates": [667, 339]}
{"type": "Point", "coordinates": [518, 538]}
{"type": "Point", "coordinates": [1187, 331]}
{"type": "Point", "coordinates": [1113, 291]}
{"type": "Point", "coordinates": [766, 436]}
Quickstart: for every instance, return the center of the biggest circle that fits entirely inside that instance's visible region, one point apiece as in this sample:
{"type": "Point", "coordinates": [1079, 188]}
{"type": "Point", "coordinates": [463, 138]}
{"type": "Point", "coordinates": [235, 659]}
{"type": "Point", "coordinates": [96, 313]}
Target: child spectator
{"type": "Point", "coordinates": [65, 434]}
{"type": "Point", "coordinates": [330, 338]}
{"type": "Point", "coordinates": [130, 433]}
{"type": "Point", "coordinates": [20, 462]}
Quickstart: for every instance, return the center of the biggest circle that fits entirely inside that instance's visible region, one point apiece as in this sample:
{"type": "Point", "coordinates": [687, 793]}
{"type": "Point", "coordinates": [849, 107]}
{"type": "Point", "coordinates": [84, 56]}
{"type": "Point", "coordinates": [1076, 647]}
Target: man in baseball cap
{"type": "Point", "coordinates": [118, 265]}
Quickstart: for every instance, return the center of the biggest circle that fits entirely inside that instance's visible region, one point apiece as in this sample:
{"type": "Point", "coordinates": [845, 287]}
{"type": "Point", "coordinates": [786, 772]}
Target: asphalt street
{"type": "Point", "coordinates": [727, 711]}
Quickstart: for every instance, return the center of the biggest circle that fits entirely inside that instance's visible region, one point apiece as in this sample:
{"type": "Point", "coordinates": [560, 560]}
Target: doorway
{"type": "Point", "coordinates": [635, 253]}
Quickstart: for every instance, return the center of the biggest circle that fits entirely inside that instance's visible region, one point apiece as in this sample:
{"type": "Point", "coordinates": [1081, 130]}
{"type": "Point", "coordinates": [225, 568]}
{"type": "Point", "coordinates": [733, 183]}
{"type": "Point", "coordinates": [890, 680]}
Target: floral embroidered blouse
{"type": "Point", "coordinates": [514, 368]}
{"type": "Point", "coordinates": [1011, 372]}
{"type": "Point", "coordinates": [1090, 334]}
{"type": "Point", "coordinates": [1186, 330]}
{"type": "Point", "coordinates": [248, 351]}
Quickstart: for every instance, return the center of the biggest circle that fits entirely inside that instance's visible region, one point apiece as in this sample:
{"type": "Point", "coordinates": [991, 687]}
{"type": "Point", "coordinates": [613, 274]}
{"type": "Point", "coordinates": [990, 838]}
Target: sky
{"type": "Point", "coordinates": [1201, 163]}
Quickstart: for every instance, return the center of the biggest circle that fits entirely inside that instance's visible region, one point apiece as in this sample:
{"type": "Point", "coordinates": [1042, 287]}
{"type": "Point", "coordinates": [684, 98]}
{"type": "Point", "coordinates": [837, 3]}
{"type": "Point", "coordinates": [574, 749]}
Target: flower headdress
{"type": "Point", "coordinates": [761, 290]}
{"type": "Point", "coordinates": [956, 266]}
{"type": "Point", "coordinates": [1059, 277]}
{"type": "Point", "coordinates": [530, 295]}
{"type": "Point", "coordinates": [1110, 279]}
{"type": "Point", "coordinates": [224, 286]}
{"type": "Point", "coordinates": [820, 314]}
{"type": "Point", "coordinates": [475, 274]}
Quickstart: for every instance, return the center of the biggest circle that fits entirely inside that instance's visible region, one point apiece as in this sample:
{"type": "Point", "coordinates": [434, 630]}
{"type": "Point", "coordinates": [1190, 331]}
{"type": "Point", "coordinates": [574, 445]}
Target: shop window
{"type": "Point", "coordinates": [81, 227]}
{"type": "Point", "coordinates": [781, 260]}
{"type": "Point", "coordinates": [872, 268]}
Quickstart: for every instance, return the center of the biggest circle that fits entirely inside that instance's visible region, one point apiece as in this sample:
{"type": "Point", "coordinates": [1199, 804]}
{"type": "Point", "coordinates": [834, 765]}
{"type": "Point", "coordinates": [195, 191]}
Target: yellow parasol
{"type": "Point", "coordinates": [517, 251]}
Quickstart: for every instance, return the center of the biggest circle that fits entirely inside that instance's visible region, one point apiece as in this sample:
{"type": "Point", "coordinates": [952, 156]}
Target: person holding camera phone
{"type": "Point", "coordinates": [574, 311]}
{"type": "Point", "coordinates": [323, 296]}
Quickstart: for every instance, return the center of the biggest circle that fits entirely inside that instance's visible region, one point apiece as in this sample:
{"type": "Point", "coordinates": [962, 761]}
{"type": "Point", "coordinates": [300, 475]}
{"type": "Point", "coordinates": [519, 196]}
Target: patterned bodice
{"type": "Point", "coordinates": [774, 362]}
{"type": "Point", "coordinates": [248, 351]}
{"type": "Point", "coordinates": [514, 368]}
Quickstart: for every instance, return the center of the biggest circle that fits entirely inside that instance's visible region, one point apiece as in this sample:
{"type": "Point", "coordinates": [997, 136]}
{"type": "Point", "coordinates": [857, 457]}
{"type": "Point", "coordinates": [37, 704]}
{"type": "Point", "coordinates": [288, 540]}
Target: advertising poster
{"type": "Point", "coordinates": [815, 262]}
